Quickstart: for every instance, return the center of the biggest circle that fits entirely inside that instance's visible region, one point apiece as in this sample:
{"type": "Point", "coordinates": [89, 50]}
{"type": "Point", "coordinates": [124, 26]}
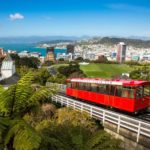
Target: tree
{"type": "Point", "coordinates": [61, 59]}
{"type": "Point", "coordinates": [74, 130]}
{"type": "Point", "coordinates": [30, 62]}
{"type": "Point", "coordinates": [59, 78]}
{"type": "Point", "coordinates": [79, 59]}
{"type": "Point", "coordinates": [15, 103]}
{"type": "Point", "coordinates": [16, 58]}
{"type": "Point", "coordinates": [23, 70]}
{"type": "Point", "coordinates": [101, 59]}
{"type": "Point", "coordinates": [71, 68]}
{"type": "Point", "coordinates": [48, 63]}
{"type": "Point", "coordinates": [141, 73]}
{"type": "Point", "coordinates": [42, 76]}
{"type": "Point", "coordinates": [29, 122]}
{"type": "Point", "coordinates": [102, 141]}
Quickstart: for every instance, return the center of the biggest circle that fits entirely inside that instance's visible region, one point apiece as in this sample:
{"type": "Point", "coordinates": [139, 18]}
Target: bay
{"type": "Point", "coordinates": [25, 46]}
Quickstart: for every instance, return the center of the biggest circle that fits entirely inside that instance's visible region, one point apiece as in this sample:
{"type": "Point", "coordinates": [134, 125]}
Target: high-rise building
{"type": "Point", "coordinates": [1, 52]}
{"type": "Point", "coordinates": [50, 49]}
{"type": "Point", "coordinates": [70, 48]}
{"type": "Point", "coordinates": [121, 52]}
{"type": "Point", "coordinates": [50, 54]}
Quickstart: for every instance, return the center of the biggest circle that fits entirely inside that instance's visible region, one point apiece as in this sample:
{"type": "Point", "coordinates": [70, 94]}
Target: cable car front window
{"type": "Point", "coordinates": [139, 92]}
{"type": "Point", "coordinates": [146, 90]}
{"type": "Point", "coordinates": [74, 85]}
{"type": "Point", "coordinates": [69, 85]}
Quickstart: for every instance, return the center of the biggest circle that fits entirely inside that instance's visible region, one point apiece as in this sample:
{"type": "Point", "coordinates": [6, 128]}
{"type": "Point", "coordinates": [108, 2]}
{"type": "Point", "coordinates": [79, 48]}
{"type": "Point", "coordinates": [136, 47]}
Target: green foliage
{"type": "Point", "coordinates": [16, 58]}
{"type": "Point", "coordinates": [141, 73]}
{"type": "Point", "coordinates": [101, 59]}
{"type": "Point", "coordinates": [61, 59]}
{"type": "Point", "coordinates": [15, 102]}
{"type": "Point", "coordinates": [70, 116]}
{"type": "Point", "coordinates": [29, 122]}
{"type": "Point", "coordinates": [79, 59]}
{"type": "Point", "coordinates": [71, 68]}
{"type": "Point", "coordinates": [133, 63]}
{"type": "Point", "coordinates": [31, 62]}
{"type": "Point", "coordinates": [59, 78]}
{"type": "Point", "coordinates": [42, 76]}
{"type": "Point", "coordinates": [7, 101]}
{"type": "Point", "coordinates": [23, 70]}
{"type": "Point", "coordinates": [102, 141]}
{"type": "Point", "coordinates": [25, 137]}
{"type": "Point", "coordinates": [48, 63]}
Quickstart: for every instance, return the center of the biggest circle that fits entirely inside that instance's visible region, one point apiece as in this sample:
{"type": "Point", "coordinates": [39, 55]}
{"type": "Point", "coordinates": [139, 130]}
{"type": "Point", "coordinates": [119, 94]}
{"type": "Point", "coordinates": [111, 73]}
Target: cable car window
{"type": "Point", "coordinates": [118, 91]}
{"type": "Point", "coordinates": [139, 92]}
{"type": "Point", "coordinates": [146, 90]}
{"type": "Point", "coordinates": [102, 89]}
{"type": "Point", "coordinates": [131, 92]}
{"type": "Point", "coordinates": [74, 85]}
{"type": "Point", "coordinates": [128, 92]}
{"type": "Point", "coordinates": [112, 90]}
{"type": "Point", "coordinates": [81, 86]}
{"type": "Point", "coordinates": [87, 86]}
{"type": "Point", "coordinates": [69, 85]}
{"type": "Point", "coordinates": [107, 89]}
{"type": "Point", "coordinates": [94, 87]}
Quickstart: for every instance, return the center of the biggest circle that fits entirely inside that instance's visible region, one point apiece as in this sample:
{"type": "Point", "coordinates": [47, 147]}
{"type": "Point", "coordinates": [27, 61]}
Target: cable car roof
{"type": "Point", "coordinates": [110, 82]}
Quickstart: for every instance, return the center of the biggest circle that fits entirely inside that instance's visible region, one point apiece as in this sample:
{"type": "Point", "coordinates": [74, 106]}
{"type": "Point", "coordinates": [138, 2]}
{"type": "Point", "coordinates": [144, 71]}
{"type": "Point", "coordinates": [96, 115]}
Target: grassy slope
{"type": "Point", "coordinates": [59, 65]}
{"type": "Point", "coordinates": [105, 70]}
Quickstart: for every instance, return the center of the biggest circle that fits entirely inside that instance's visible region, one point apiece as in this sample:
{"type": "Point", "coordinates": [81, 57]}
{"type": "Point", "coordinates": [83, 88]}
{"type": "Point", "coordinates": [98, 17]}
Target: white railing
{"type": "Point", "coordinates": [121, 121]}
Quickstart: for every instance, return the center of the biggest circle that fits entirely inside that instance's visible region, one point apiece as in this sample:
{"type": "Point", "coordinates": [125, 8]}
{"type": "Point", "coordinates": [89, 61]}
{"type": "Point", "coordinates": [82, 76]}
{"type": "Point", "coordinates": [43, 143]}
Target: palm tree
{"type": "Point", "coordinates": [15, 102]}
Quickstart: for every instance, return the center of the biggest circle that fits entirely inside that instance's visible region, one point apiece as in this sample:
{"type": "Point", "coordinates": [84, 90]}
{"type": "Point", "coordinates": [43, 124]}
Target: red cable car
{"type": "Point", "coordinates": [127, 95]}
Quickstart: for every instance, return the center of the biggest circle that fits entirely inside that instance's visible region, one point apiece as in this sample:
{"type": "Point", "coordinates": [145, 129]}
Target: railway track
{"type": "Point", "coordinates": [145, 117]}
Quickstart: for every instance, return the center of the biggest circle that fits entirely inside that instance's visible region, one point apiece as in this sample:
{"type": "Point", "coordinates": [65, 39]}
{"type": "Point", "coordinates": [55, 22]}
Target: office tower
{"type": "Point", "coordinates": [50, 49]}
{"type": "Point", "coordinates": [70, 48]}
{"type": "Point", "coordinates": [121, 52]}
{"type": "Point", "coordinates": [50, 54]}
{"type": "Point", "coordinates": [1, 52]}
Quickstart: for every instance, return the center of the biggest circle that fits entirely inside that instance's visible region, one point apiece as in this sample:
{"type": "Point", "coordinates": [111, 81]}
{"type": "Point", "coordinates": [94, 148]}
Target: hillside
{"type": "Point", "coordinates": [132, 42]}
{"type": "Point", "coordinates": [105, 70]}
{"type": "Point", "coordinates": [112, 41]}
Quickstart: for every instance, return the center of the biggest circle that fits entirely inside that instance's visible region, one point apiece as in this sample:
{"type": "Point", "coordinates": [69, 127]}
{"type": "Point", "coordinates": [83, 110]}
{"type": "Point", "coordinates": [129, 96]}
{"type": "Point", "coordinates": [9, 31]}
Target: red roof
{"type": "Point", "coordinates": [112, 82]}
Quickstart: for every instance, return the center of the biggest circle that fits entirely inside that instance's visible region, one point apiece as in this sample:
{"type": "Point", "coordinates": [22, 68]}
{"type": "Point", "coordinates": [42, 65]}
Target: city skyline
{"type": "Point", "coordinates": [75, 18]}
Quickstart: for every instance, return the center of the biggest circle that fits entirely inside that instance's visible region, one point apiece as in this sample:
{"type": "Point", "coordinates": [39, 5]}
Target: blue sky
{"type": "Point", "coordinates": [74, 17]}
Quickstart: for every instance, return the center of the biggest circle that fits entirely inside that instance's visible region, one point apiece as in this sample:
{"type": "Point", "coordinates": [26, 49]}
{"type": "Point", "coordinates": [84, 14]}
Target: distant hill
{"type": "Point", "coordinates": [35, 39]}
{"type": "Point", "coordinates": [132, 41]}
{"type": "Point", "coordinates": [55, 41]}
{"type": "Point", "coordinates": [112, 41]}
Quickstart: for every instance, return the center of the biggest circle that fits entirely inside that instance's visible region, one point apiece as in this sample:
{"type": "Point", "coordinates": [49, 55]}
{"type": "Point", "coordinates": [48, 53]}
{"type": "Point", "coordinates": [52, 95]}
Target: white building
{"type": "Point", "coordinates": [23, 54]}
{"type": "Point", "coordinates": [8, 68]}
{"type": "Point", "coordinates": [35, 54]}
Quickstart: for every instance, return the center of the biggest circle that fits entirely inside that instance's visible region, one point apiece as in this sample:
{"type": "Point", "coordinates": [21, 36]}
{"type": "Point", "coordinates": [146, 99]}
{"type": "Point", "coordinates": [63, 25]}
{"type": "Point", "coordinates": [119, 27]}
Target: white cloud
{"type": "Point", "coordinates": [16, 16]}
